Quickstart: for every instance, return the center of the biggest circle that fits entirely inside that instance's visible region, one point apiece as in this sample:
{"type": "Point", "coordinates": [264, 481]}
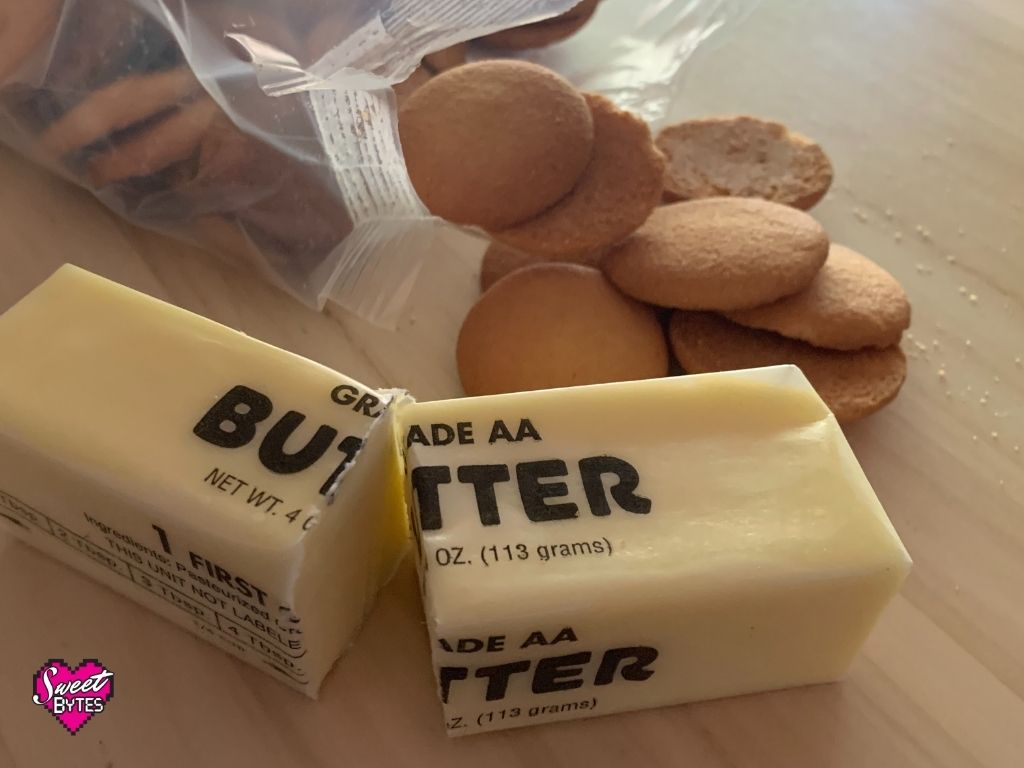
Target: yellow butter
{"type": "Point", "coordinates": [247, 494]}
{"type": "Point", "coordinates": [607, 548]}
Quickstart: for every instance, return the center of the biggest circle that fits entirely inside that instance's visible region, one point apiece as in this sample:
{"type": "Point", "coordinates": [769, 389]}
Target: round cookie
{"type": "Point", "coordinates": [118, 105]}
{"type": "Point", "coordinates": [616, 194]}
{"type": "Point", "coordinates": [495, 143]}
{"type": "Point", "coordinates": [852, 384]}
{"type": "Point", "coordinates": [542, 33]}
{"type": "Point", "coordinates": [722, 253]}
{"type": "Point", "coordinates": [500, 260]}
{"type": "Point", "coordinates": [743, 157]}
{"type": "Point", "coordinates": [174, 138]}
{"type": "Point", "coordinates": [557, 325]}
{"type": "Point", "coordinates": [851, 303]}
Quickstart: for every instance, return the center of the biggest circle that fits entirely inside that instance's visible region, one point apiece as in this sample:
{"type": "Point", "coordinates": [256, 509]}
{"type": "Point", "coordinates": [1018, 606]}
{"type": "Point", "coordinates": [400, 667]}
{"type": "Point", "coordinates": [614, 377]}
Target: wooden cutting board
{"type": "Point", "coordinates": [921, 106]}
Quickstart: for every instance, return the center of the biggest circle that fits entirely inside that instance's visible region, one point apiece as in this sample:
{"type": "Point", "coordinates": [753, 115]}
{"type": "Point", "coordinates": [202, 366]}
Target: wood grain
{"type": "Point", "coordinates": [920, 105]}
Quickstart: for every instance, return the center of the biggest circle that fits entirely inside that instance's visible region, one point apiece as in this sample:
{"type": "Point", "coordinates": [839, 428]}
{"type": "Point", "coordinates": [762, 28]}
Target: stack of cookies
{"type": "Point", "coordinates": [754, 283]}
{"type": "Point", "coordinates": [104, 93]}
{"type": "Point", "coordinates": [730, 264]}
{"type": "Point", "coordinates": [514, 149]}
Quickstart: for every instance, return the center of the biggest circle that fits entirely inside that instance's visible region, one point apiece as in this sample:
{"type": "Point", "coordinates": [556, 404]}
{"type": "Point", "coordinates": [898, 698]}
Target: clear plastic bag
{"type": "Point", "coordinates": [634, 52]}
{"type": "Point", "coordinates": [266, 130]}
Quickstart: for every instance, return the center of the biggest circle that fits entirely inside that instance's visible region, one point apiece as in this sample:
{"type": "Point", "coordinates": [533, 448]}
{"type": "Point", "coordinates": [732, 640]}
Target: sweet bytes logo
{"type": "Point", "coordinates": [73, 695]}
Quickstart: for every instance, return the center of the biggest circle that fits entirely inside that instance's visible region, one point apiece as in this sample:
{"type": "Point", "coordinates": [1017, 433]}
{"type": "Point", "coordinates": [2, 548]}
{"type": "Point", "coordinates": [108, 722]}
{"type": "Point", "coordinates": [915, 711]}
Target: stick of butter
{"type": "Point", "coordinates": [606, 548]}
{"type": "Point", "coordinates": [247, 494]}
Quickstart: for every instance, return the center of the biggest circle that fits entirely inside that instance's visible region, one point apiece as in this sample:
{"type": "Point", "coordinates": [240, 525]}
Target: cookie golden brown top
{"type": "Point", "coordinates": [557, 325]}
{"type": "Point", "coordinates": [616, 194]}
{"type": "Point", "coordinates": [495, 143]}
{"type": "Point", "coordinates": [852, 384]}
{"type": "Point", "coordinates": [721, 253]}
{"type": "Point", "coordinates": [743, 157]}
{"type": "Point", "coordinates": [851, 303]}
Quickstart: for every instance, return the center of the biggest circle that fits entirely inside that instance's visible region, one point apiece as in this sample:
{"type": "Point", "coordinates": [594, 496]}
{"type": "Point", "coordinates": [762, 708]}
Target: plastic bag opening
{"type": "Point", "coordinates": [266, 131]}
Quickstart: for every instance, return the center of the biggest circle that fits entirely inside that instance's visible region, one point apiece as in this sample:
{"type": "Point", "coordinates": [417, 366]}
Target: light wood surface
{"type": "Point", "coordinates": [920, 104]}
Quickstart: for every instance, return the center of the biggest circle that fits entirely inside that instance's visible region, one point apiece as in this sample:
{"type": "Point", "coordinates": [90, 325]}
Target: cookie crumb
{"type": "Point", "coordinates": [897, 236]}
{"type": "Point", "coordinates": [1016, 449]}
{"type": "Point", "coordinates": [888, 213]}
{"type": "Point", "coordinates": [974, 438]}
{"type": "Point", "coordinates": [995, 435]}
{"type": "Point", "coordinates": [973, 298]}
{"type": "Point", "coordinates": [942, 374]}
{"type": "Point", "coordinates": [967, 342]}
{"type": "Point", "coordinates": [860, 215]}
{"type": "Point", "coordinates": [951, 258]}
{"type": "Point", "coordinates": [963, 290]}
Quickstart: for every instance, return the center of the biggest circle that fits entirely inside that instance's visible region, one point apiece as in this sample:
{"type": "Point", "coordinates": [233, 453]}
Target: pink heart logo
{"type": "Point", "coordinates": [73, 696]}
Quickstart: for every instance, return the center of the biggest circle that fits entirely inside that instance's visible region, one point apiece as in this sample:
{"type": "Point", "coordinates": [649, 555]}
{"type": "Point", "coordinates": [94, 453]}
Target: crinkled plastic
{"type": "Point", "coordinates": [634, 51]}
{"type": "Point", "coordinates": [266, 130]}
